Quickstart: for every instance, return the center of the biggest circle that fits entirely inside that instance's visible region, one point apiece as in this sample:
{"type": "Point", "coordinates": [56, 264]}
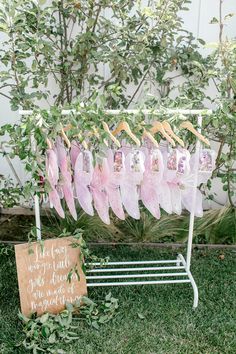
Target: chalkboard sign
{"type": "Point", "coordinates": [42, 271]}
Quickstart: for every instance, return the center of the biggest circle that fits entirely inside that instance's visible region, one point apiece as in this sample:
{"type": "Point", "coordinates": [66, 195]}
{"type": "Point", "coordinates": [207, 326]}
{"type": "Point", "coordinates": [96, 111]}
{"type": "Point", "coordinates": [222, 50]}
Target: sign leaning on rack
{"type": "Point", "coordinates": [43, 271]}
{"type": "Point", "coordinates": [163, 176]}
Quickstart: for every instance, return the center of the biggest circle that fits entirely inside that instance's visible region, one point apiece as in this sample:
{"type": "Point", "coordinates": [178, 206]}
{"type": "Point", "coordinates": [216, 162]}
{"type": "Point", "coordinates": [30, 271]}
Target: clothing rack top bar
{"type": "Point", "coordinates": [136, 111]}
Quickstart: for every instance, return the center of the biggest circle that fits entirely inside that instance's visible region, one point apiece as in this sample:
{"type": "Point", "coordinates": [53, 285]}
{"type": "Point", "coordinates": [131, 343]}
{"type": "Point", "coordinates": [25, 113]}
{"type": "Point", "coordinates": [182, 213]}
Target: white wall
{"type": "Point", "coordinates": [197, 20]}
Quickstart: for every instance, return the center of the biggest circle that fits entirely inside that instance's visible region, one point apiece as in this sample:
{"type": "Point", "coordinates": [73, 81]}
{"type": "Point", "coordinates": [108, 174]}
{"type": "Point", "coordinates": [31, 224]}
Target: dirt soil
{"type": "Point", "coordinates": [15, 227]}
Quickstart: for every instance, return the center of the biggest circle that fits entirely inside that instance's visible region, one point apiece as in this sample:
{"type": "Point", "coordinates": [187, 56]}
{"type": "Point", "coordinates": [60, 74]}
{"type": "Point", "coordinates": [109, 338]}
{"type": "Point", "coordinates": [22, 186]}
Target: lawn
{"type": "Point", "coordinates": [170, 325]}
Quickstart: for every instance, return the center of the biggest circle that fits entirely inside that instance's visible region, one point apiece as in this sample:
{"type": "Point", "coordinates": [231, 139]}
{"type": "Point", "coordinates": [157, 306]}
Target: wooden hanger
{"type": "Point", "coordinates": [113, 138]}
{"type": "Point", "coordinates": [124, 126]}
{"type": "Point", "coordinates": [148, 135]}
{"type": "Point", "coordinates": [157, 127]}
{"type": "Point", "coordinates": [168, 129]}
{"type": "Point", "coordinates": [84, 143]}
{"type": "Point", "coordinates": [188, 125]}
{"type": "Point", "coordinates": [49, 144]}
{"type": "Point", "coordinates": [68, 127]}
{"type": "Point", "coordinates": [67, 141]}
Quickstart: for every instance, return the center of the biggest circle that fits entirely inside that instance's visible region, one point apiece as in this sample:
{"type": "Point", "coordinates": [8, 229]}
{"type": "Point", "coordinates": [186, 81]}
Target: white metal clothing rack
{"type": "Point", "coordinates": [174, 271]}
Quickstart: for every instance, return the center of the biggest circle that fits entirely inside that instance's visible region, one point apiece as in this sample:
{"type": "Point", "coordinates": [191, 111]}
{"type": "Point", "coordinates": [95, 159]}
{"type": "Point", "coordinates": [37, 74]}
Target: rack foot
{"type": "Point", "coordinates": [194, 285]}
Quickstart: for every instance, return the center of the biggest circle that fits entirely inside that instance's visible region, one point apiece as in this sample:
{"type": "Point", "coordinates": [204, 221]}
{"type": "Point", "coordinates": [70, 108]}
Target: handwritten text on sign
{"type": "Point", "coordinates": [43, 275]}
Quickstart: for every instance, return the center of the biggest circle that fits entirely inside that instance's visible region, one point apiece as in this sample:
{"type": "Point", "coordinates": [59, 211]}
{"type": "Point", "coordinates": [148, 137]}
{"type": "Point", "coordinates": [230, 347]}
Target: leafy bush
{"type": "Point", "coordinates": [9, 193]}
{"type": "Point", "coordinates": [47, 333]}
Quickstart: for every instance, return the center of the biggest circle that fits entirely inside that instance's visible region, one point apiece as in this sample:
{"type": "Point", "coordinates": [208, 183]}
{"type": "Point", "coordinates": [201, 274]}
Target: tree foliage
{"type": "Point", "coordinates": [95, 55]}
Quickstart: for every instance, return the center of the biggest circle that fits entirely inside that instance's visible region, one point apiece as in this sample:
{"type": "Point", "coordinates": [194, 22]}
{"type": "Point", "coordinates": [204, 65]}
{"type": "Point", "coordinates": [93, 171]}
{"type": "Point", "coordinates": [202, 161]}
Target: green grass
{"type": "Point", "coordinates": [170, 324]}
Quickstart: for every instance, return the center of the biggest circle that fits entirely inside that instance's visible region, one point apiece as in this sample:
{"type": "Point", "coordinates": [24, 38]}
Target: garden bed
{"type": "Point", "coordinates": [215, 227]}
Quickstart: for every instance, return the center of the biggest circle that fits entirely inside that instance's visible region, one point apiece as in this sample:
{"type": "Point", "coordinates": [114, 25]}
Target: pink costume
{"type": "Point", "coordinates": [100, 197]}
{"type": "Point", "coordinates": [74, 152]}
{"type": "Point", "coordinates": [66, 177]}
{"type": "Point", "coordinates": [151, 183]}
{"type": "Point", "coordinates": [164, 189]}
{"type": "Point", "coordinates": [83, 173]}
{"type": "Point", "coordinates": [176, 171]}
{"type": "Point", "coordinates": [206, 165]}
{"type": "Point", "coordinates": [132, 178]}
{"type": "Point", "coordinates": [53, 176]}
{"type": "Point", "coordinates": [111, 168]}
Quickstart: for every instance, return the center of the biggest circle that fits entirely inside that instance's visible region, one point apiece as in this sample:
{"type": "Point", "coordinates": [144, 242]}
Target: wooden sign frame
{"type": "Point", "coordinates": [49, 275]}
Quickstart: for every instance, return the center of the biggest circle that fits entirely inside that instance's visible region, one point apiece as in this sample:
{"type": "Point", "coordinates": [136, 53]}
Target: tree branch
{"type": "Point", "coordinates": [3, 94]}
{"type": "Point", "coordinates": [140, 84]}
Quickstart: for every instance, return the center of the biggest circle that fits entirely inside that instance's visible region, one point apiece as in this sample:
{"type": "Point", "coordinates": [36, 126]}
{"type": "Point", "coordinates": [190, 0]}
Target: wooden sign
{"type": "Point", "coordinates": [42, 271]}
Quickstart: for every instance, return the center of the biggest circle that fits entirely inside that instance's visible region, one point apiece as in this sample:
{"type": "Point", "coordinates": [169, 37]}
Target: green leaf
{"type": "Point", "coordinates": [23, 317]}
{"type": "Point", "coordinates": [229, 16]}
{"type": "Point", "coordinates": [45, 331]}
{"type": "Point", "coordinates": [95, 324]}
{"type": "Point", "coordinates": [44, 318]}
{"type": "Point", "coordinates": [201, 41]}
{"type": "Point", "coordinates": [108, 297]}
{"type": "Point", "coordinates": [214, 21]}
{"type": "Point", "coordinates": [142, 317]}
{"type": "Point", "coordinates": [69, 307]}
{"type": "Point", "coordinates": [52, 338]}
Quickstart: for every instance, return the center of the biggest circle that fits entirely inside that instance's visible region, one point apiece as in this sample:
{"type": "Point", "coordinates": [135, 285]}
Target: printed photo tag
{"type": "Point", "coordinates": [137, 161]}
{"type": "Point", "coordinates": [155, 161]}
{"type": "Point", "coordinates": [172, 160]}
{"type": "Point", "coordinates": [86, 161]}
{"type": "Point", "coordinates": [206, 161]}
{"type": "Point", "coordinates": [118, 164]}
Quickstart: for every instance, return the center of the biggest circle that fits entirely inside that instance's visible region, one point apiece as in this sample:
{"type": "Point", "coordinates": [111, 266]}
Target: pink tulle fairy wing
{"type": "Point", "coordinates": [115, 202]}
{"type": "Point", "coordinates": [101, 204]}
{"type": "Point", "coordinates": [82, 181]}
{"type": "Point", "coordinates": [69, 198]}
{"type": "Point", "coordinates": [85, 198]}
{"type": "Point", "coordinates": [165, 197]}
{"type": "Point", "coordinates": [66, 180]}
{"type": "Point", "coordinates": [100, 197]}
{"type": "Point", "coordinates": [61, 154]}
{"type": "Point", "coordinates": [112, 190]}
{"type": "Point", "coordinates": [187, 200]}
{"type": "Point", "coordinates": [134, 164]}
{"type": "Point", "coordinates": [175, 193]}
{"type": "Point", "coordinates": [52, 167]}
{"type": "Point", "coordinates": [149, 197]}
{"type": "Point", "coordinates": [74, 152]}
{"type": "Point", "coordinates": [56, 202]}
{"type": "Point", "coordinates": [130, 198]}
{"type": "Point", "coordinates": [53, 176]}
{"type": "Point", "coordinates": [151, 179]}
{"type": "Point", "coordinates": [60, 191]}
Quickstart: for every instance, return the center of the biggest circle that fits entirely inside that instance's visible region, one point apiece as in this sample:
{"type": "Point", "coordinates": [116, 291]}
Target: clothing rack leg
{"type": "Point", "coordinates": [36, 198]}
{"type": "Point", "coordinates": [37, 217]}
{"type": "Point", "coordinates": [191, 220]}
{"type": "Point", "coordinates": [194, 285]}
